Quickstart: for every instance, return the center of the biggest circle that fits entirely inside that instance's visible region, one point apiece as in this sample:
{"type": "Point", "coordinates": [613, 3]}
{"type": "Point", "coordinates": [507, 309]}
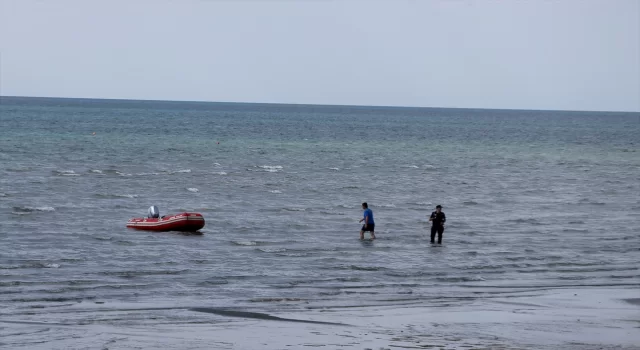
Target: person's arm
{"type": "Point", "coordinates": [366, 221]}
{"type": "Point", "coordinates": [431, 217]}
{"type": "Point", "coordinates": [444, 219]}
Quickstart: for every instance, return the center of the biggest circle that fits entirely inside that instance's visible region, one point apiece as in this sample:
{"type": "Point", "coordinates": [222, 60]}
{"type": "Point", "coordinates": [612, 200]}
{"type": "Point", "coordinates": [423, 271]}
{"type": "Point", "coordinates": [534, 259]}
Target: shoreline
{"type": "Point", "coordinates": [594, 318]}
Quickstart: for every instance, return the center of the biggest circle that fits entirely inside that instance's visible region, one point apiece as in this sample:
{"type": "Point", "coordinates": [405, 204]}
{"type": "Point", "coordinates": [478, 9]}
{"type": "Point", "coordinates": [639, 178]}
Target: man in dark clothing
{"type": "Point", "coordinates": [437, 219]}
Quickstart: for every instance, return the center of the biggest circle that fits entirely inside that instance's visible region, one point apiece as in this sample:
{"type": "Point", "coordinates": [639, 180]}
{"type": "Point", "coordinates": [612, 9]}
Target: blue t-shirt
{"type": "Point", "coordinates": [368, 212]}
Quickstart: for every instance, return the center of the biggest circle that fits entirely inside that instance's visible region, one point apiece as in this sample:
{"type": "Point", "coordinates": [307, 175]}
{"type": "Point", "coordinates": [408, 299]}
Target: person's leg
{"type": "Point", "coordinates": [440, 231]}
{"type": "Point", "coordinates": [362, 233]}
{"type": "Point", "coordinates": [433, 234]}
{"type": "Point", "coordinates": [373, 235]}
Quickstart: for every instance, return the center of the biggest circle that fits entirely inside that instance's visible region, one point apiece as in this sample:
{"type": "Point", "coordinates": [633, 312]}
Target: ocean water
{"type": "Point", "coordinates": [535, 200]}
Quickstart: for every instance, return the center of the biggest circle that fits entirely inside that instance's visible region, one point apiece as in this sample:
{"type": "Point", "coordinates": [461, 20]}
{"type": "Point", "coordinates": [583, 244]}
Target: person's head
{"type": "Point", "coordinates": [365, 205]}
{"type": "Point", "coordinates": [438, 208]}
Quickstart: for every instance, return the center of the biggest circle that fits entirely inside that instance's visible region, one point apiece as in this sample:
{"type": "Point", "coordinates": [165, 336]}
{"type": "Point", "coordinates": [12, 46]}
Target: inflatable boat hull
{"type": "Point", "coordinates": [184, 222]}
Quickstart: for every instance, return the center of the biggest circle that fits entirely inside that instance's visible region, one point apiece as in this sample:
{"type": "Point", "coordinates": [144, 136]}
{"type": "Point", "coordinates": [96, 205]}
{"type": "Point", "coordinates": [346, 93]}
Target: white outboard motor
{"type": "Point", "coordinates": [153, 212]}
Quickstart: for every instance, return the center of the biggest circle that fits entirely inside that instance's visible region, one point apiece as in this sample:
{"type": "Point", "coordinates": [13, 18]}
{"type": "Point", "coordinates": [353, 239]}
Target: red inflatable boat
{"type": "Point", "coordinates": [186, 222]}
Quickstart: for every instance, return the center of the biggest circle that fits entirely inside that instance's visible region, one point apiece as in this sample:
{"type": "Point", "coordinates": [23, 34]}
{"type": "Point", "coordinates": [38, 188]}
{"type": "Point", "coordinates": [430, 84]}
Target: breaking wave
{"type": "Point", "coordinates": [65, 173]}
{"type": "Point", "coordinates": [26, 209]}
{"type": "Point", "coordinates": [271, 168]}
{"type": "Point", "coordinates": [114, 196]}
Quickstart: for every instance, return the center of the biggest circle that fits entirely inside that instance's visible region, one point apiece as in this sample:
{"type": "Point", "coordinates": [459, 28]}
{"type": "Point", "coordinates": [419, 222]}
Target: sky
{"type": "Point", "coordinates": [543, 54]}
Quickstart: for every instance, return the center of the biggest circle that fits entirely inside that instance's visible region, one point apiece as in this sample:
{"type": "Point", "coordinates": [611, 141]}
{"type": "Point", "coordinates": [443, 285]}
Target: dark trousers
{"type": "Point", "coordinates": [440, 230]}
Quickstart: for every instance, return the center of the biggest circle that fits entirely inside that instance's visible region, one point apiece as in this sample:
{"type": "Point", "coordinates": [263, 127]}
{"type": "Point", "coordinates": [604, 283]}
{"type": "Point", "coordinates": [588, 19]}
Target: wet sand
{"type": "Point", "coordinates": [552, 319]}
{"type": "Point", "coordinates": [633, 301]}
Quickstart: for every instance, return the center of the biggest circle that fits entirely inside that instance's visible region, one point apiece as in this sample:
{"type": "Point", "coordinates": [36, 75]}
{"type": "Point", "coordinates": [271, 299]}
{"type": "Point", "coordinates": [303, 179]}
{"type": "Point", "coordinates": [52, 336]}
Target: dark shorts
{"type": "Point", "coordinates": [370, 227]}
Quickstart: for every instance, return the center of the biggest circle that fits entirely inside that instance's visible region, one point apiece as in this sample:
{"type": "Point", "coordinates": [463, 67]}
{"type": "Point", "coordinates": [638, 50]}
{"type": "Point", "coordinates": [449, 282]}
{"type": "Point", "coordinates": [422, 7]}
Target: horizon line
{"type": "Point", "coordinates": [316, 104]}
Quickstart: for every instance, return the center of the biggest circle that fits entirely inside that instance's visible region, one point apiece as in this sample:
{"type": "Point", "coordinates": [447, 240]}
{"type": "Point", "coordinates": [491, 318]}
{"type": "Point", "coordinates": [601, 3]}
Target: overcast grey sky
{"type": "Point", "coordinates": [564, 54]}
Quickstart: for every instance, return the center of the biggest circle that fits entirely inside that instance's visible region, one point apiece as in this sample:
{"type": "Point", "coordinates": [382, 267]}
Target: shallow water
{"type": "Point", "coordinates": [534, 201]}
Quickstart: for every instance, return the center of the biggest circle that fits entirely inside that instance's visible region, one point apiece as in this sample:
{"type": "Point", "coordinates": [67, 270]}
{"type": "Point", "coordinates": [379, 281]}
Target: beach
{"type": "Point", "coordinates": [598, 318]}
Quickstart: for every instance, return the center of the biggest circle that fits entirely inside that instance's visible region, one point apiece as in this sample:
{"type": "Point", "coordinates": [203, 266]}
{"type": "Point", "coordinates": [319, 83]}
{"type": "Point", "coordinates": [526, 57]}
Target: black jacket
{"type": "Point", "coordinates": [438, 219]}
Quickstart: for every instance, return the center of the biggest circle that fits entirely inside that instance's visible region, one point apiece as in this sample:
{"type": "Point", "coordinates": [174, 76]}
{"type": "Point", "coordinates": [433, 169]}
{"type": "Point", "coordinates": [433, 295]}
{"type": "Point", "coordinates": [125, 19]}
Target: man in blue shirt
{"type": "Point", "coordinates": [369, 224]}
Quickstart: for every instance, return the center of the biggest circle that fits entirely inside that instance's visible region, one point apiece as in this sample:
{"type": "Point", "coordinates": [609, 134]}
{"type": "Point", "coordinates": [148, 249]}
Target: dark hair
{"type": "Point", "coordinates": [365, 205]}
{"type": "Point", "coordinates": [439, 206]}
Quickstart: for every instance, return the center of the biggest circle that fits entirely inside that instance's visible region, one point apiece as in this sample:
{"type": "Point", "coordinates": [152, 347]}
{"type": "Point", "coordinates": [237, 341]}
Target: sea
{"type": "Point", "coordinates": [535, 201]}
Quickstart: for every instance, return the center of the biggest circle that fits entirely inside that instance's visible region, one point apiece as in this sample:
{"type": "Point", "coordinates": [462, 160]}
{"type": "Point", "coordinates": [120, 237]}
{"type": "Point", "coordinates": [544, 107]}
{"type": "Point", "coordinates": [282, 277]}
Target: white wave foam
{"type": "Point", "coordinates": [336, 169]}
{"type": "Point", "coordinates": [67, 173]}
{"type": "Point", "coordinates": [272, 250]}
{"type": "Point", "coordinates": [30, 209]}
{"type": "Point", "coordinates": [182, 171]}
{"type": "Point", "coordinates": [43, 208]}
{"type": "Point", "coordinates": [122, 174]}
{"type": "Point", "coordinates": [216, 164]}
{"type": "Point", "coordinates": [275, 191]}
{"type": "Point", "coordinates": [220, 173]}
{"type": "Point", "coordinates": [193, 189]}
{"type": "Point", "coordinates": [96, 171]}
{"type": "Point", "coordinates": [53, 266]}
{"type": "Point", "coordinates": [429, 166]}
{"type": "Point", "coordinates": [147, 174]}
{"type": "Point", "coordinates": [102, 195]}
{"type": "Point", "coordinates": [245, 243]}
{"type": "Point", "coordinates": [413, 166]}
{"type": "Point", "coordinates": [126, 195]}
{"type": "Point", "coordinates": [386, 205]}
{"type": "Point", "coordinates": [271, 168]}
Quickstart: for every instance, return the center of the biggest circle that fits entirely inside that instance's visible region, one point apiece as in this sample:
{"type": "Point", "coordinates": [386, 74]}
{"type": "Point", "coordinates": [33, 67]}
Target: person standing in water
{"type": "Point", "coordinates": [369, 224]}
{"type": "Point", "coordinates": [437, 219]}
